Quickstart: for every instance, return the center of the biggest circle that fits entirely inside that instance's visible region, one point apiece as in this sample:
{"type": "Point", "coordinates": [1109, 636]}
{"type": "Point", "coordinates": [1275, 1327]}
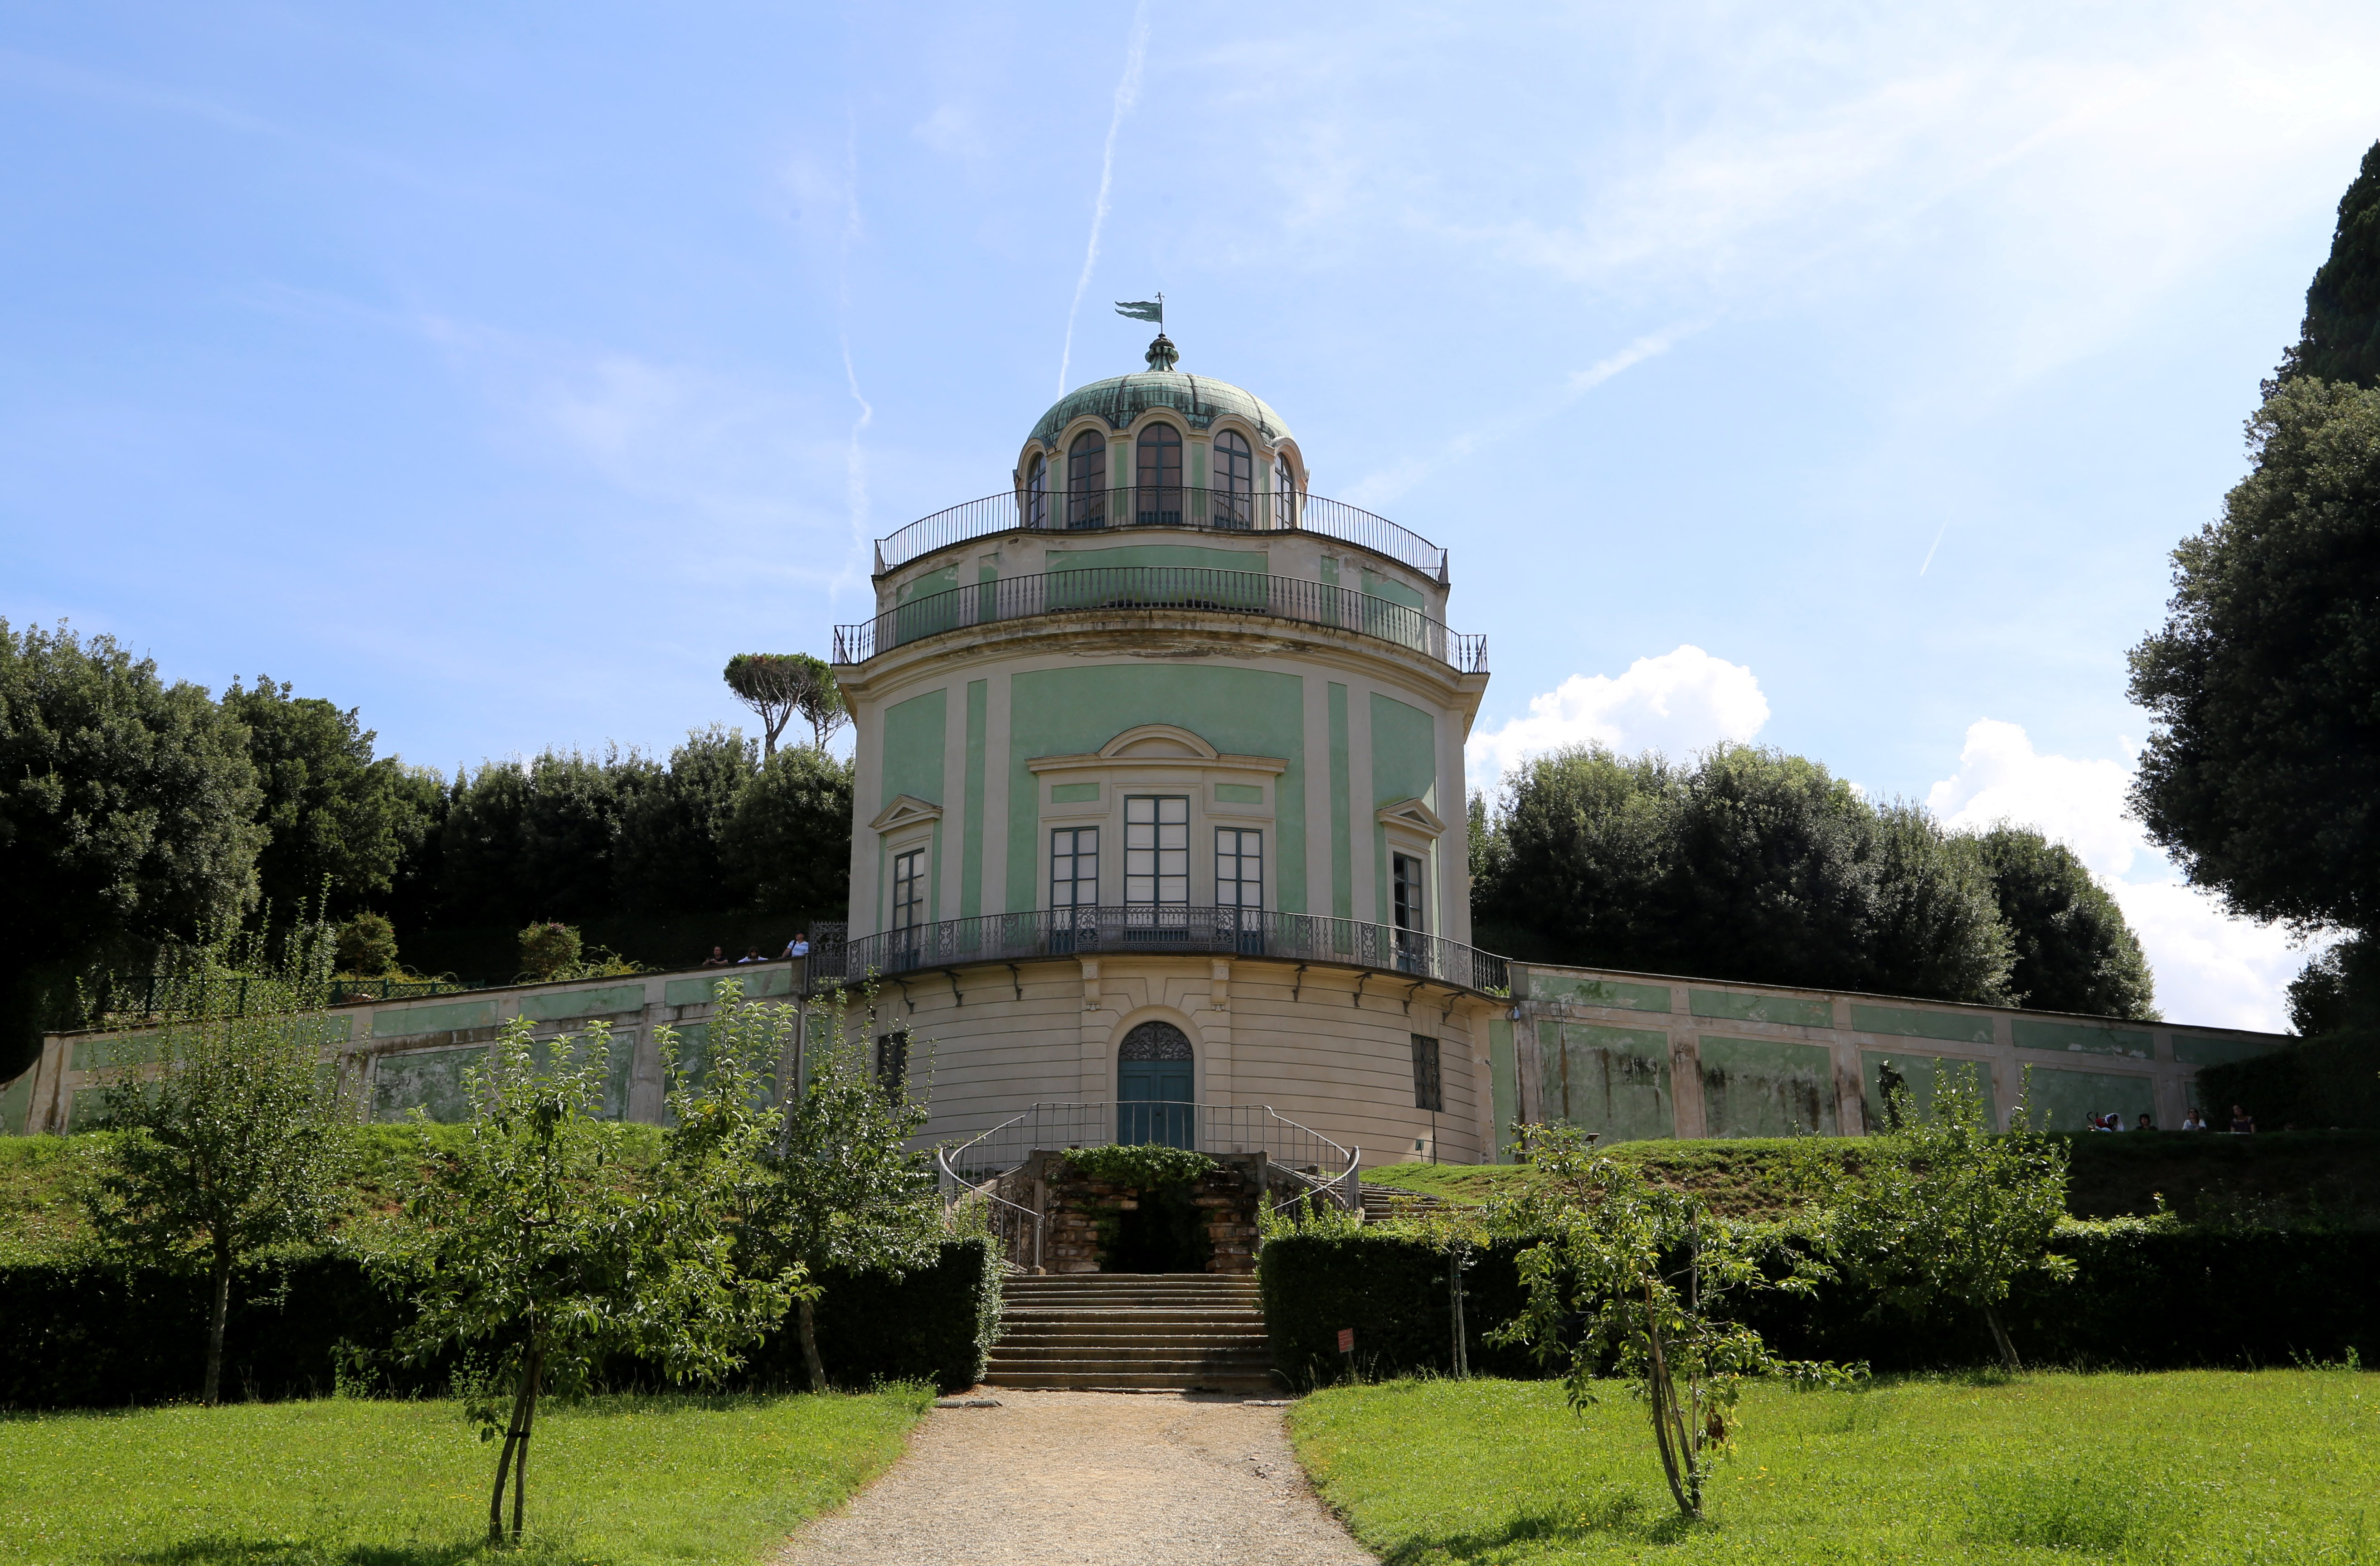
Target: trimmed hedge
{"type": "Point", "coordinates": [93, 1335]}
{"type": "Point", "coordinates": [2144, 1298]}
{"type": "Point", "coordinates": [2330, 1081]}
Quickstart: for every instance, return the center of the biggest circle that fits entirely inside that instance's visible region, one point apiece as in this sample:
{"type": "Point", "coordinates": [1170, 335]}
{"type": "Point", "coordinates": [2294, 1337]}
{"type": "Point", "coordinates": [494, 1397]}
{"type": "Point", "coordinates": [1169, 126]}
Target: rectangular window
{"type": "Point", "coordinates": [1429, 1093]}
{"type": "Point", "coordinates": [1157, 850]}
{"type": "Point", "coordinates": [1239, 871]}
{"type": "Point", "coordinates": [1075, 868]}
{"type": "Point", "coordinates": [909, 889]}
{"type": "Point", "coordinates": [892, 1061]}
{"type": "Point", "coordinates": [1406, 894]}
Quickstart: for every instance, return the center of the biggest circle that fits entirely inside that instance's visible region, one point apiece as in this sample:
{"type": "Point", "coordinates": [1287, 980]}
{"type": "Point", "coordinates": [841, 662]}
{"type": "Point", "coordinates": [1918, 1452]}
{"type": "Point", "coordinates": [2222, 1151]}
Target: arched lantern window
{"type": "Point", "coordinates": [1086, 481]}
{"type": "Point", "coordinates": [1236, 480]}
{"type": "Point", "coordinates": [1036, 491]}
{"type": "Point", "coordinates": [1158, 500]}
{"type": "Point", "coordinates": [1284, 493]}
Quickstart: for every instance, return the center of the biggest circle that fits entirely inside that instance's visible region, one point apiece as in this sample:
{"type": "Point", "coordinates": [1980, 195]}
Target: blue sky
{"type": "Point", "coordinates": [1836, 376]}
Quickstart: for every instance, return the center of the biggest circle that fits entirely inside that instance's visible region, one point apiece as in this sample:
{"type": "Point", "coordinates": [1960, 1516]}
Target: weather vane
{"type": "Point", "coordinates": [1162, 354]}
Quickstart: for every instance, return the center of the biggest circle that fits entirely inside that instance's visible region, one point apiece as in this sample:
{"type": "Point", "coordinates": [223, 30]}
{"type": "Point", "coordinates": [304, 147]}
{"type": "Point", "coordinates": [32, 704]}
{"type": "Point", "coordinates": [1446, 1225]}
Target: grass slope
{"type": "Point", "coordinates": [619, 1481]}
{"type": "Point", "coordinates": [2184, 1467]}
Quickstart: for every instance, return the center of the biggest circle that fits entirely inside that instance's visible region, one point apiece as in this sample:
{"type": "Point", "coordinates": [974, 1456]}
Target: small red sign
{"type": "Point", "coordinates": [1346, 1340]}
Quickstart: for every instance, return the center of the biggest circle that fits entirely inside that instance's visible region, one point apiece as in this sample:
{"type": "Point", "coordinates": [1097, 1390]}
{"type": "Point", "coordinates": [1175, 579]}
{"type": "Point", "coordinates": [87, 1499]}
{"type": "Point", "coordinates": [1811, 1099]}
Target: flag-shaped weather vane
{"type": "Point", "coordinates": [1162, 354]}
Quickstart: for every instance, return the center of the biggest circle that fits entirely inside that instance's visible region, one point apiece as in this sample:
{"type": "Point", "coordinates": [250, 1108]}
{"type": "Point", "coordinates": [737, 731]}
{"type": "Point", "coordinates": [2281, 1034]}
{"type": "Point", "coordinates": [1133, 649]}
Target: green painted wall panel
{"type": "Point", "coordinates": [2084, 1039]}
{"type": "Point", "coordinates": [1072, 712]}
{"type": "Point", "coordinates": [702, 992]}
{"type": "Point", "coordinates": [1239, 793]}
{"type": "Point", "coordinates": [1916, 1074]}
{"type": "Point", "coordinates": [1160, 554]}
{"type": "Point", "coordinates": [2217, 1050]}
{"type": "Point", "coordinates": [103, 1050]}
{"type": "Point", "coordinates": [85, 1109]}
{"type": "Point", "coordinates": [1611, 1080]}
{"type": "Point", "coordinates": [978, 731]}
{"type": "Point", "coordinates": [1393, 591]}
{"type": "Point", "coordinates": [1545, 985]}
{"type": "Point", "coordinates": [2065, 1100]}
{"type": "Point", "coordinates": [430, 1080]}
{"type": "Point", "coordinates": [1767, 1088]}
{"type": "Point", "coordinates": [912, 749]}
{"type": "Point", "coordinates": [1404, 766]}
{"type": "Point", "coordinates": [1074, 794]}
{"type": "Point", "coordinates": [545, 1007]}
{"type": "Point", "coordinates": [930, 584]}
{"type": "Point", "coordinates": [1908, 1022]}
{"type": "Point", "coordinates": [1342, 835]}
{"type": "Point", "coordinates": [1733, 1007]}
{"type": "Point", "coordinates": [17, 1105]}
{"type": "Point", "coordinates": [453, 1017]}
{"type": "Point", "coordinates": [619, 1065]}
{"type": "Point", "coordinates": [1503, 1084]}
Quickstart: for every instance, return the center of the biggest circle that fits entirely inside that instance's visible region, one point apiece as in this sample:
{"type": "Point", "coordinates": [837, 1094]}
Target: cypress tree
{"type": "Point", "coordinates": [2340, 337]}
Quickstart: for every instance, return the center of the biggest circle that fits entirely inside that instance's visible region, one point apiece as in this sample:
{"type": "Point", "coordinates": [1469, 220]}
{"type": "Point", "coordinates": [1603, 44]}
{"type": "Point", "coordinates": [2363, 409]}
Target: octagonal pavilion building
{"type": "Point", "coordinates": [1159, 821]}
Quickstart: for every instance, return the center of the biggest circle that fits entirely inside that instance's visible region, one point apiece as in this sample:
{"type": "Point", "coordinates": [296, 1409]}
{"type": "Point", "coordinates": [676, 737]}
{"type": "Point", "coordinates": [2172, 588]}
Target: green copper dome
{"type": "Point", "coordinates": [1122, 398]}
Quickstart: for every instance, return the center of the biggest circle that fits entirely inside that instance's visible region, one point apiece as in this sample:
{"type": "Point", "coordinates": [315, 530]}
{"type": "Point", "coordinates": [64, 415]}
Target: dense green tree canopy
{"type": "Point", "coordinates": [2341, 339]}
{"type": "Point", "coordinates": [331, 811]}
{"type": "Point", "coordinates": [670, 854]}
{"type": "Point", "coordinates": [2074, 951]}
{"type": "Point", "coordinates": [788, 845]}
{"type": "Point", "coordinates": [127, 813]}
{"type": "Point", "coordinates": [2262, 776]}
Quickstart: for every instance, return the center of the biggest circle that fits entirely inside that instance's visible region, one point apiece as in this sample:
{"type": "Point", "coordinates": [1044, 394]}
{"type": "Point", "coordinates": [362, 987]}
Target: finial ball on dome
{"type": "Point", "coordinates": [1161, 353]}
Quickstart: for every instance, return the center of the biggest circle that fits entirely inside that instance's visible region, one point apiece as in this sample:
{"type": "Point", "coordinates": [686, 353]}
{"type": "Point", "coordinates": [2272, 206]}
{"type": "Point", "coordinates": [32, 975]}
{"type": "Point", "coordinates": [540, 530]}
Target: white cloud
{"type": "Point", "coordinates": [2211, 966]}
{"type": "Point", "coordinates": [1679, 702]}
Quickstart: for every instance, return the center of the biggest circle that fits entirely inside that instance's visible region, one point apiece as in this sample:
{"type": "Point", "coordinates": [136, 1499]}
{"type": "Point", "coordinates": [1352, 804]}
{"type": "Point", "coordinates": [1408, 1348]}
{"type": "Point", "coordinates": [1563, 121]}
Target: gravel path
{"type": "Point", "coordinates": [1087, 1478]}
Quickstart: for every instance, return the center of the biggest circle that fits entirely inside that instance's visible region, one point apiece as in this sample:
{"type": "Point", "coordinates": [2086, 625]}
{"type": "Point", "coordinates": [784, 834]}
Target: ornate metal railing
{"type": "Point", "coordinates": [1146, 930]}
{"type": "Point", "coordinates": [1124, 588]}
{"type": "Point", "coordinates": [977, 1166]}
{"type": "Point", "coordinates": [1105, 510]}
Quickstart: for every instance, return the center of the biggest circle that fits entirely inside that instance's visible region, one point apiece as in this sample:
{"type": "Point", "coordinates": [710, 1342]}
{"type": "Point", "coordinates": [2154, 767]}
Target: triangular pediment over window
{"type": "Point", "coordinates": [907, 809]}
{"type": "Point", "coordinates": [1413, 813]}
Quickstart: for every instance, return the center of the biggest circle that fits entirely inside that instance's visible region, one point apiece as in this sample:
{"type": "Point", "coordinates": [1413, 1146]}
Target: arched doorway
{"type": "Point", "coordinates": [1156, 1091]}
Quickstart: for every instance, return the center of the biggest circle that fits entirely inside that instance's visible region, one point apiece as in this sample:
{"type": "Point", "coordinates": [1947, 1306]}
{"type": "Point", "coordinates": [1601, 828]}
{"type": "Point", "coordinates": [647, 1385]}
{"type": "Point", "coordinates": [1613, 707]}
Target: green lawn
{"type": "Point", "coordinates": [2235, 1467]}
{"type": "Point", "coordinates": [359, 1483]}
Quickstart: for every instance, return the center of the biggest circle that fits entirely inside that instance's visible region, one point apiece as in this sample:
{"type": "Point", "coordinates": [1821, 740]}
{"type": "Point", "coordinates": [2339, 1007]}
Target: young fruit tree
{"type": "Point", "coordinates": [1943, 1209]}
{"type": "Point", "coordinates": [233, 1137]}
{"type": "Point", "coordinates": [1620, 1272]}
{"type": "Point", "coordinates": [848, 1191]}
{"type": "Point", "coordinates": [539, 1252]}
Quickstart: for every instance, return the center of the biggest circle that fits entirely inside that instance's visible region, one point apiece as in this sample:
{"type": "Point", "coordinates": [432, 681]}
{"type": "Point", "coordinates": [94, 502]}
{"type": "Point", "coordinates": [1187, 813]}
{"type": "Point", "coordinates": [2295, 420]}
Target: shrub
{"type": "Point", "coordinates": [367, 946]}
{"type": "Point", "coordinates": [1138, 1166]}
{"type": "Point", "coordinates": [2329, 1081]}
{"type": "Point", "coordinates": [548, 950]}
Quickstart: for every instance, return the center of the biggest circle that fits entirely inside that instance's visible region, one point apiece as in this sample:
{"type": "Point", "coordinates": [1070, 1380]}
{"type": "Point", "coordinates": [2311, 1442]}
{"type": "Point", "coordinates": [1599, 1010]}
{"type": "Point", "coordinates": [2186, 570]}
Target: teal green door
{"type": "Point", "coordinates": [1155, 1092]}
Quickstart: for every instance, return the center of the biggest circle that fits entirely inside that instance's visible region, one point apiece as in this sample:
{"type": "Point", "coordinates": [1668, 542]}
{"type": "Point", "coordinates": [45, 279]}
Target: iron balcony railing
{"type": "Point", "coordinates": [1102, 510]}
{"type": "Point", "coordinates": [1124, 588]}
{"type": "Point", "coordinates": [1147, 931]}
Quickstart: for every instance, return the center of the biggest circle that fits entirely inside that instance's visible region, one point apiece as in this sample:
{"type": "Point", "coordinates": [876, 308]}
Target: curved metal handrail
{"type": "Point", "coordinates": [1002, 1149]}
{"type": "Point", "coordinates": [1113, 589]}
{"type": "Point", "coordinates": [1206, 510]}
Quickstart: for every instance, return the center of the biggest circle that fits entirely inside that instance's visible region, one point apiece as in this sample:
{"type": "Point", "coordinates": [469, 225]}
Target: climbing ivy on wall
{"type": "Point", "coordinates": [1142, 1167]}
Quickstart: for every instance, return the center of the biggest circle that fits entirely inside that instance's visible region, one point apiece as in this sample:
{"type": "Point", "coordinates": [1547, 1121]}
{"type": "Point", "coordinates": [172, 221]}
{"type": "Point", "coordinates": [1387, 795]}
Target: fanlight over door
{"type": "Point", "coordinates": [1155, 1087]}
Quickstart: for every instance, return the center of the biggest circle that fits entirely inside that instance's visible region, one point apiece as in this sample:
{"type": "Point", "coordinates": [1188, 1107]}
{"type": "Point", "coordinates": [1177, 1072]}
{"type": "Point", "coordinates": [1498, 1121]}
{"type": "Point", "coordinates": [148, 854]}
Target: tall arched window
{"type": "Point", "coordinates": [1087, 480]}
{"type": "Point", "coordinates": [1158, 503]}
{"type": "Point", "coordinates": [1037, 492]}
{"type": "Point", "coordinates": [1284, 493]}
{"type": "Point", "coordinates": [1236, 480]}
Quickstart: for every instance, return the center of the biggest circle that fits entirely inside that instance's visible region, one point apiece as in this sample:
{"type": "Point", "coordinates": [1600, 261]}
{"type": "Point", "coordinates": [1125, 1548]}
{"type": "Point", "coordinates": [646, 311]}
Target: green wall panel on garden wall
{"type": "Point", "coordinates": [1342, 835]}
{"type": "Point", "coordinates": [702, 992]}
{"type": "Point", "coordinates": [540, 1006]}
{"type": "Point", "coordinates": [453, 1017]}
{"type": "Point", "coordinates": [429, 1080]}
{"type": "Point", "coordinates": [1909, 1021]}
{"type": "Point", "coordinates": [1767, 1088]}
{"type": "Point", "coordinates": [2083, 1038]}
{"type": "Point", "coordinates": [1916, 1074]}
{"type": "Point", "coordinates": [1503, 1084]}
{"type": "Point", "coordinates": [978, 729]}
{"type": "Point", "coordinates": [17, 1105]}
{"type": "Point", "coordinates": [1073, 711]}
{"type": "Point", "coordinates": [85, 1108]}
{"type": "Point", "coordinates": [1581, 992]}
{"type": "Point", "coordinates": [619, 1063]}
{"type": "Point", "coordinates": [2219, 1050]}
{"type": "Point", "coordinates": [1733, 1005]}
{"type": "Point", "coordinates": [2065, 1100]}
{"type": "Point", "coordinates": [106, 1049]}
{"type": "Point", "coordinates": [1611, 1080]}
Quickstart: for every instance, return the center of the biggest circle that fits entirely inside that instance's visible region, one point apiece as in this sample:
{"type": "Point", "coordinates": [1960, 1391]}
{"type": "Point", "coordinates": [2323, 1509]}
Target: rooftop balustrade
{"type": "Point", "coordinates": [1126, 588]}
{"type": "Point", "coordinates": [1207, 510]}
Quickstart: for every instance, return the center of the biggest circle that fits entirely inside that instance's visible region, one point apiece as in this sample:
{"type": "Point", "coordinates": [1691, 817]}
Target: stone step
{"type": "Point", "coordinates": [1122, 1343]}
{"type": "Point", "coordinates": [1127, 1331]}
{"type": "Point", "coordinates": [1137, 1380]}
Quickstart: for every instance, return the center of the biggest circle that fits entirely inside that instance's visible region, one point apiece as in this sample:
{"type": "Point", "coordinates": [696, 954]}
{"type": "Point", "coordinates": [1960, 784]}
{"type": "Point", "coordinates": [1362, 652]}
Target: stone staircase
{"type": "Point", "coordinates": [1386, 1201]}
{"type": "Point", "coordinates": [1138, 1331]}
